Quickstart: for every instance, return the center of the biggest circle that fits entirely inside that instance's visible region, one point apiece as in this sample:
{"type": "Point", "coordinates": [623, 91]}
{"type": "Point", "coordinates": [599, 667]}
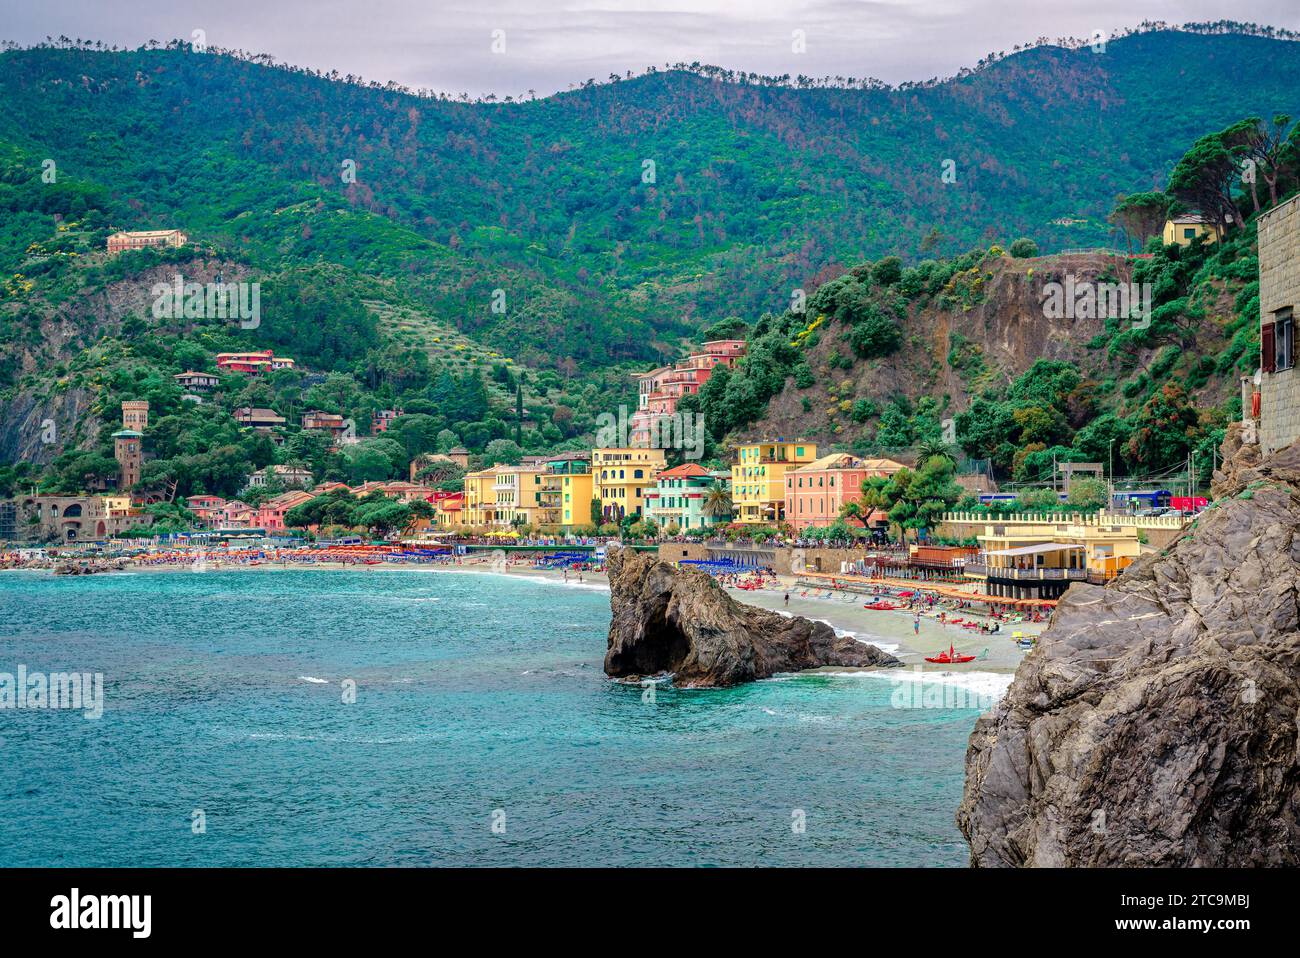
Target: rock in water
{"type": "Point", "coordinates": [681, 621]}
{"type": "Point", "coordinates": [1156, 722]}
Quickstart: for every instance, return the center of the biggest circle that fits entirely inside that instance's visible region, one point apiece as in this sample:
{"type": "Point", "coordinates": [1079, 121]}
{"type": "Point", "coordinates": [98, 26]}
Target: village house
{"type": "Point", "coordinates": [678, 498]}
{"type": "Point", "coordinates": [253, 363]}
{"type": "Point", "coordinates": [567, 491]}
{"type": "Point", "coordinates": [75, 518]}
{"type": "Point", "coordinates": [659, 390]}
{"type": "Point", "coordinates": [291, 476]}
{"type": "Point", "coordinates": [1184, 228]}
{"type": "Point", "coordinates": [120, 242]}
{"type": "Point", "coordinates": [196, 382]}
{"type": "Point", "coordinates": [206, 508]}
{"type": "Point", "coordinates": [381, 419]}
{"type": "Point", "coordinates": [258, 418]}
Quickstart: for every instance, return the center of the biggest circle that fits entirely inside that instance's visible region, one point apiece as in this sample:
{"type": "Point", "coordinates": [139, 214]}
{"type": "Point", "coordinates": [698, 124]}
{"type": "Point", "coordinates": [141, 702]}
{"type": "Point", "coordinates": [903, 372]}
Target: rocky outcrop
{"type": "Point", "coordinates": [679, 621]}
{"type": "Point", "coordinates": [1156, 721]}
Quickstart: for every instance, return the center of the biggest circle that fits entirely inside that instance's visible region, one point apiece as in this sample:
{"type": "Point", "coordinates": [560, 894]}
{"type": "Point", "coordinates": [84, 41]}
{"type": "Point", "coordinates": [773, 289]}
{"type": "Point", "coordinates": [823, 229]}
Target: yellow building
{"type": "Point", "coordinates": [479, 510]}
{"type": "Point", "coordinates": [1181, 230]}
{"type": "Point", "coordinates": [518, 491]}
{"type": "Point", "coordinates": [758, 479]}
{"type": "Point", "coordinates": [567, 490]}
{"type": "Point", "coordinates": [1041, 559]}
{"type": "Point", "coordinates": [621, 479]}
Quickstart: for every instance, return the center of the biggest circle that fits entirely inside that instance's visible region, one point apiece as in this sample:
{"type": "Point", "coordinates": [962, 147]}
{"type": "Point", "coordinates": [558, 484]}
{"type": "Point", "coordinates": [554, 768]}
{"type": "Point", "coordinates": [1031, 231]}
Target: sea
{"type": "Point", "coordinates": [434, 718]}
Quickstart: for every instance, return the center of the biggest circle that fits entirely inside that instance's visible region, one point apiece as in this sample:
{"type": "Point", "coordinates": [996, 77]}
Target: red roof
{"type": "Point", "coordinates": [685, 471]}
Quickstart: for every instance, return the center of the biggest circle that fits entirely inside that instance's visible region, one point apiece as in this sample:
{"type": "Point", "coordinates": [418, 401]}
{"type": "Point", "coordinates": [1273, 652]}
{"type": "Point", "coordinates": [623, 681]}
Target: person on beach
{"type": "Point", "coordinates": [916, 624]}
{"type": "Point", "coordinates": [787, 600]}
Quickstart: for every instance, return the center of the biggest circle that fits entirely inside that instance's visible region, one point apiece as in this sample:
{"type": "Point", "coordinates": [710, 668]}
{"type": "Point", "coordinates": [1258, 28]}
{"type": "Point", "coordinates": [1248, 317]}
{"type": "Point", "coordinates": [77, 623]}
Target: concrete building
{"type": "Point", "coordinates": [258, 418]}
{"type": "Point", "coordinates": [75, 518]}
{"type": "Point", "coordinates": [659, 390]}
{"type": "Point", "coordinates": [758, 478]}
{"type": "Point", "coordinates": [622, 476]}
{"type": "Point", "coordinates": [815, 493]}
{"type": "Point", "coordinates": [678, 499]}
{"type": "Point", "coordinates": [480, 507]}
{"type": "Point", "coordinates": [120, 242]}
{"type": "Point", "coordinates": [1279, 293]}
{"type": "Point", "coordinates": [567, 490]}
{"type": "Point", "coordinates": [1040, 560]}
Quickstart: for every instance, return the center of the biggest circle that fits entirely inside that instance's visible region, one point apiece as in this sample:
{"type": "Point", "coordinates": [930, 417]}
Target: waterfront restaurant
{"type": "Point", "coordinates": [1039, 561]}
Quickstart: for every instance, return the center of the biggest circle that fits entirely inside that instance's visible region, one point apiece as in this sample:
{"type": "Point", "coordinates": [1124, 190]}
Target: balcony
{"type": "Point", "coordinates": [1026, 575]}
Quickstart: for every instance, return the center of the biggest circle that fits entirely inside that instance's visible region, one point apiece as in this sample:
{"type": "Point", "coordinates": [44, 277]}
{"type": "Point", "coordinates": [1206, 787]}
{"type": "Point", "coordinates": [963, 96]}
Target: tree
{"type": "Point", "coordinates": [1087, 493]}
{"type": "Point", "coordinates": [1024, 248]}
{"type": "Point", "coordinates": [505, 451]}
{"type": "Point", "coordinates": [1140, 216]}
{"type": "Point", "coordinates": [717, 504]}
{"type": "Point", "coordinates": [1206, 175]}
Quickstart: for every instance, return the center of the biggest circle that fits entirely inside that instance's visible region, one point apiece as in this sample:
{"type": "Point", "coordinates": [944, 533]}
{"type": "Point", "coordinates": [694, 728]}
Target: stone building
{"type": "Point", "coordinates": [1279, 293]}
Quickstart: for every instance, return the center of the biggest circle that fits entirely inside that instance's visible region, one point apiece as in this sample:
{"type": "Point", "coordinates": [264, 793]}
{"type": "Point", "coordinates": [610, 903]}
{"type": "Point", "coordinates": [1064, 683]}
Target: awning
{"type": "Point", "coordinates": [1032, 550]}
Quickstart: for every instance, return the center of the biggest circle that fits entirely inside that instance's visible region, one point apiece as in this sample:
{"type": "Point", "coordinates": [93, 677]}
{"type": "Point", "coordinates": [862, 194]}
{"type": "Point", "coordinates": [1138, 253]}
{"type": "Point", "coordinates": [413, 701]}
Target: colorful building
{"type": "Point", "coordinates": [622, 476]}
{"type": "Point", "coordinates": [270, 515]}
{"type": "Point", "coordinates": [567, 490]}
{"type": "Point", "coordinates": [291, 476]}
{"type": "Point", "coordinates": [758, 479]}
{"type": "Point", "coordinates": [480, 508]}
{"type": "Point", "coordinates": [679, 496]}
{"type": "Point", "coordinates": [1181, 230]}
{"type": "Point", "coordinates": [206, 508]}
{"type": "Point", "coordinates": [1040, 560]}
{"type": "Point", "coordinates": [659, 390]}
{"type": "Point", "coordinates": [518, 491]}
{"type": "Point", "coordinates": [75, 518]}
{"type": "Point", "coordinates": [381, 419]}
{"type": "Point", "coordinates": [253, 363]}
{"type": "Point", "coordinates": [815, 493]}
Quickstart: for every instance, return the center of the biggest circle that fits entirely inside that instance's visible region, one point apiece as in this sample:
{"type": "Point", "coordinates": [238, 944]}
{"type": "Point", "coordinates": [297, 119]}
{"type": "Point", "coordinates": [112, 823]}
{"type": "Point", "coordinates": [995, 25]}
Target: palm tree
{"type": "Point", "coordinates": [928, 449]}
{"type": "Point", "coordinates": [717, 502]}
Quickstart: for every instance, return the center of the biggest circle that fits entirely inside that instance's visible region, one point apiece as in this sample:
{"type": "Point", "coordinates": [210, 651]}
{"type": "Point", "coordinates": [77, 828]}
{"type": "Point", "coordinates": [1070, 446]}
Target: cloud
{"type": "Point", "coordinates": [554, 44]}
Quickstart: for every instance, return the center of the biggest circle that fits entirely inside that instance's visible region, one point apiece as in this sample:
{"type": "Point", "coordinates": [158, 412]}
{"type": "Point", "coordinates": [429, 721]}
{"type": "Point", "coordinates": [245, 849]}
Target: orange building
{"type": "Point", "coordinates": [815, 494]}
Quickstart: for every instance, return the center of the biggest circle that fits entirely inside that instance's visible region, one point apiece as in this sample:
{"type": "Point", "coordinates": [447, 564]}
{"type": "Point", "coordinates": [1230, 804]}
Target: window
{"type": "Point", "coordinates": [1189, 232]}
{"type": "Point", "coordinates": [1284, 340]}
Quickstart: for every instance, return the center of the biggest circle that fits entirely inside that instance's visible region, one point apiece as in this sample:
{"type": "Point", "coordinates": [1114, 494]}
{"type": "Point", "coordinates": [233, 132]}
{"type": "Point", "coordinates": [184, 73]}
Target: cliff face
{"type": "Point", "coordinates": [1156, 722]}
{"type": "Point", "coordinates": [958, 350]}
{"type": "Point", "coordinates": [681, 621]}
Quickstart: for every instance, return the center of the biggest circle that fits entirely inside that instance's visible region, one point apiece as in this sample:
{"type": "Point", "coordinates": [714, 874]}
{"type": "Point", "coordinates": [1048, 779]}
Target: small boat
{"type": "Point", "coordinates": [880, 607]}
{"type": "Point", "coordinates": [949, 657]}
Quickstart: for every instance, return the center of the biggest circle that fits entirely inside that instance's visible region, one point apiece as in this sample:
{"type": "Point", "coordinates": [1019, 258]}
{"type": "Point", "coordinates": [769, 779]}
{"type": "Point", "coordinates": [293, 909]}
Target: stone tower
{"type": "Point", "coordinates": [135, 415]}
{"type": "Point", "coordinates": [126, 450]}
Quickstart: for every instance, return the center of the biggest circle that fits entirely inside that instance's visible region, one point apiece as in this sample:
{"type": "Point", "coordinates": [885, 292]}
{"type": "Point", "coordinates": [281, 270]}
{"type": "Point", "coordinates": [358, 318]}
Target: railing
{"type": "Point", "coordinates": [979, 568]}
{"type": "Point", "coordinates": [1067, 518]}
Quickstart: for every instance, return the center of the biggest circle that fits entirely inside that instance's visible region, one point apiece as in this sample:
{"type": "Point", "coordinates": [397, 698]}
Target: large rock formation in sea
{"type": "Point", "coordinates": [1156, 723]}
{"type": "Point", "coordinates": [681, 621]}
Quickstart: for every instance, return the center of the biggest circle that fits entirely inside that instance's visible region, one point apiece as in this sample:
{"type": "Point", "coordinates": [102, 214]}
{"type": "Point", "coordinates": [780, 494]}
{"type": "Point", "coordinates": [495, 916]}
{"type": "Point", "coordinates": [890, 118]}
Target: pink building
{"type": "Point", "coordinates": [659, 390]}
{"type": "Point", "coordinates": [206, 508]}
{"type": "Point", "coordinates": [271, 514]}
{"type": "Point", "coordinates": [815, 494]}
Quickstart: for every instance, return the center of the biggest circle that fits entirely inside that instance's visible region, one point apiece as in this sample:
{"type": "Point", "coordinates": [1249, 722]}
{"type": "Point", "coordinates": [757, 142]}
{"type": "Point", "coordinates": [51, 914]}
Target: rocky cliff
{"type": "Point", "coordinates": [670, 620]}
{"type": "Point", "coordinates": [1156, 722]}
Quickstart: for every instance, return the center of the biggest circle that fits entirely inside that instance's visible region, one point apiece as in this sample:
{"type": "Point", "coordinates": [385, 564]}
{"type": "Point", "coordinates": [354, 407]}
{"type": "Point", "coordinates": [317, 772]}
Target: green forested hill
{"type": "Point", "coordinates": [756, 188]}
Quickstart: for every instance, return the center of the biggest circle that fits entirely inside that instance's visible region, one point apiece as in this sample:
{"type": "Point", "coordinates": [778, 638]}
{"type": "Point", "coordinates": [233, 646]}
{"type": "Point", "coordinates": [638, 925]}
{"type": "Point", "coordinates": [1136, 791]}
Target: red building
{"type": "Point", "coordinates": [254, 364]}
{"type": "Point", "coordinates": [815, 494]}
{"type": "Point", "coordinates": [659, 390]}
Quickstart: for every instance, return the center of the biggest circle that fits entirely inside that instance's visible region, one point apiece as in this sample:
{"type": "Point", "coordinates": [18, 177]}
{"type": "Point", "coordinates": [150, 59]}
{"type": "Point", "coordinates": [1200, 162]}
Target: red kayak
{"type": "Point", "coordinates": [949, 657]}
{"type": "Point", "coordinates": [880, 607]}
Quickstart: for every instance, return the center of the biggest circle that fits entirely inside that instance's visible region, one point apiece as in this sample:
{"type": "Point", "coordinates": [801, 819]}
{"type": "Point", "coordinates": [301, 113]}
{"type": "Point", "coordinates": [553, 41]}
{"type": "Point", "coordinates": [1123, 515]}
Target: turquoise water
{"type": "Point", "coordinates": [479, 699]}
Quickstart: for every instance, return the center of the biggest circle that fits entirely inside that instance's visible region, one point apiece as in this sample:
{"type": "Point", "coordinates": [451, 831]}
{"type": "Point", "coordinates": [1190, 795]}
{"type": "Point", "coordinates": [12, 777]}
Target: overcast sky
{"type": "Point", "coordinates": [552, 44]}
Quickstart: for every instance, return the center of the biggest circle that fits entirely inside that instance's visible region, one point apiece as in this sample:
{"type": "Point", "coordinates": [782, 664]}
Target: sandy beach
{"type": "Point", "coordinates": [893, 631]}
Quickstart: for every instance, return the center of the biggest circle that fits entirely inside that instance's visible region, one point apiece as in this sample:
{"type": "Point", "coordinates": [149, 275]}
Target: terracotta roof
{"type": "Point", "coordinates": [684, 471]}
